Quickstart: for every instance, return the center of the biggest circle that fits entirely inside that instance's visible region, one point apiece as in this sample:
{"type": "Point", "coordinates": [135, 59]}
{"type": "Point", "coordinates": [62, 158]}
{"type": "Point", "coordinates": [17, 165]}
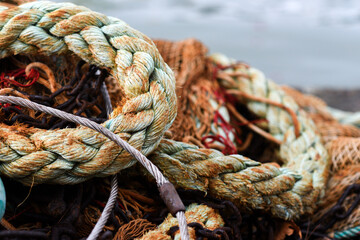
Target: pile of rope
{"type": "Point", "coordinates": [224, 108]}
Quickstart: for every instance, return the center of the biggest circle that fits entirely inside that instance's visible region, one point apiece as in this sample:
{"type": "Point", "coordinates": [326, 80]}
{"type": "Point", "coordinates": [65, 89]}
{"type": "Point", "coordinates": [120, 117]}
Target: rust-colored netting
{"type": "Point", "coordinates": [345, 158]}
{"type": "Point", "coordinates": [335, 187]}
{"type": "Point", "coordinates": [331, 131]}
{"type": "Point", "coordinates": [345, 152]}
{"type": "Point", "coordinates": [194, 88]}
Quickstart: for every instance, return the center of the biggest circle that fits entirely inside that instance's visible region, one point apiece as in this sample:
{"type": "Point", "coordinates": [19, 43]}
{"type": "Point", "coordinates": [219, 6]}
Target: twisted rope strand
{"type": "Point", "coordinates": [92, 125]}
{"type": "Point", "coordinates": [348, 233]}
{"type": "Point", "coordinates": [249, 184]}
{"type": "Point", "coordinates": [184, 232]}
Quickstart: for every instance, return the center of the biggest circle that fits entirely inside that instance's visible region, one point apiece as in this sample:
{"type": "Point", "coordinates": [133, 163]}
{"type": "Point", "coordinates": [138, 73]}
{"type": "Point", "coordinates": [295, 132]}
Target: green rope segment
{"type": "Point", "coordinates": [247, 183]}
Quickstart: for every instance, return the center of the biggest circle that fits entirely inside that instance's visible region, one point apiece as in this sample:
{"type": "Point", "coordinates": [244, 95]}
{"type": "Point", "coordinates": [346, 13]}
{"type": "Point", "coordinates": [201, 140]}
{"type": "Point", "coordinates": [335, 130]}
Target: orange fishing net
{"type": "Point", "coordinates": [194, 88]}
{"type": "Point", "coordinates": [134, 229]}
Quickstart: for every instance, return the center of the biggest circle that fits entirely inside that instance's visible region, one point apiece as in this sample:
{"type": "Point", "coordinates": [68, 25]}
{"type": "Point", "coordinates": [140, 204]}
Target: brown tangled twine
{"type": "Point", "coordinates": [134, 229]}
{"type": "Point", "coordinates": [194, 88]}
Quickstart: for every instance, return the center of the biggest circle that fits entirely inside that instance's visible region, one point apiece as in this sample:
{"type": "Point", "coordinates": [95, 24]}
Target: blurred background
{"type": "Point", "coordinates": [304, 43]}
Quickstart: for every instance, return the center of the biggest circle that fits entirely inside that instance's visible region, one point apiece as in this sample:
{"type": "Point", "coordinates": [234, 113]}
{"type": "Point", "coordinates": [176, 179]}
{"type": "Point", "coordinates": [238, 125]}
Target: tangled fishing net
{"type": "Point", "coordinates": [249, 159]}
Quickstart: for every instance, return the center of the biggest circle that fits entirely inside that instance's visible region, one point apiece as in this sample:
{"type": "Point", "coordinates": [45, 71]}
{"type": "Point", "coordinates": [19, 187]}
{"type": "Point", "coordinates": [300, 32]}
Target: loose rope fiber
{"type": "Point", "coordinates": [70, 156]}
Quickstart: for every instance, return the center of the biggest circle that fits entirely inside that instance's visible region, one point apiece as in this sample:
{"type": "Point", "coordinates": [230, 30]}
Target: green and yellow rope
{"type": "Point", "coordinates": [70, 156]}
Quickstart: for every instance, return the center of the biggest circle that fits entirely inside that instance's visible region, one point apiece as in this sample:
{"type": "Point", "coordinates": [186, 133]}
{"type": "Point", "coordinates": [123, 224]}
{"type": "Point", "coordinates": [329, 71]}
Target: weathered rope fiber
{"type": "Point", "coordinates": [92, 125]}
{"type": "Point", "coordinates": [70, 156]}
{"type": "Point", "coordinates": [342, 143]}
{"type": "Point", "coordinates": [133, 229]}
{"type": "Point", "coordinates": [247, 183]}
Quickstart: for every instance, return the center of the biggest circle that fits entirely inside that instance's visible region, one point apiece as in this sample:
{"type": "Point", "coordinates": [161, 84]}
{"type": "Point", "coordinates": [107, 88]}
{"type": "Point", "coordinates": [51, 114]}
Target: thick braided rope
{"type": "Point", "coordinates": [150, 167]}
{"type": "Point", "coordinates": [70, 156]}
{"type": "Point", "coordinates": [288, 191]}
{"type": "Point", "coordinates": [247, 183]}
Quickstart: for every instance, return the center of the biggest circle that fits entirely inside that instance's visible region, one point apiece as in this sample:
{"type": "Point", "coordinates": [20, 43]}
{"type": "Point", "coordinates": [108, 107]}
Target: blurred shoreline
{"type": "Point", "coordinates": [343, 99]}
{"type": "Point", "coordinates": [307, 44]}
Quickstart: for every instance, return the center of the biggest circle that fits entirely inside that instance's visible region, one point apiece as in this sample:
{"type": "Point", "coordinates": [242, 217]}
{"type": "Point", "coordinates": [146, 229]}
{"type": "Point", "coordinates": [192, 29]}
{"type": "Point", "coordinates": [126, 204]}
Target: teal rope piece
{"type": "Point", "coordinates": [348, 233]}
{"type": "Point", "coordinates": [2, 199]}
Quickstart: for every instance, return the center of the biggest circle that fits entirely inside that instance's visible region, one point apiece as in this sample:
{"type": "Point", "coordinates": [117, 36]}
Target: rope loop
{"type": "Point", "coordinates": [73, 155]}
